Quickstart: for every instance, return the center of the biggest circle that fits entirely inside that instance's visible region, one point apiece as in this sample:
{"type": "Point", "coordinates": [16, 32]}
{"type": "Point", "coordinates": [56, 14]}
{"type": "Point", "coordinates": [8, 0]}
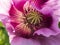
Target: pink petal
{"type": "Point", "coordinates": [2, 17]}
{"type": "Point", "coordinates": [38, 4]}
{"type": "Point", "coordinates": [45, 32]}
{"type": "Point", "coordinates": [46, 10]}
{"type": "Point", "coordinates": [54, 25]}
{"type": "Point", "coordinates": [19, 4]}
{"type": "Point", "coordinates": [52, 30]}
{"type": "Point", "coordinates": [15, 15]}
{"type": "Point", "coordinates": [24, 41]}
{"type": "Point", "coordinates": [11, 37]}
{"type": "Point", "coordinates": [8, 26]}
{"type": "Point", "coordinates": [53, 40]}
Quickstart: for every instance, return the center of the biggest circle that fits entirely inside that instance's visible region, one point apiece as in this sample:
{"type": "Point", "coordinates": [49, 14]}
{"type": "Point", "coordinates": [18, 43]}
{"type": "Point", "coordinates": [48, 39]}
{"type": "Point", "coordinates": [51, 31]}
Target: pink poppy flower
{"type": "Point", "coordinates": [33, 23]}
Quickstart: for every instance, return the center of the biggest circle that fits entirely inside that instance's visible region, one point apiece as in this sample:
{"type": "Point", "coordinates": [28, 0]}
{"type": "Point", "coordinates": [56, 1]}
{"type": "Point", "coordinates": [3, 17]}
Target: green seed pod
{"type": "Point", "coordinates": [4, 38]}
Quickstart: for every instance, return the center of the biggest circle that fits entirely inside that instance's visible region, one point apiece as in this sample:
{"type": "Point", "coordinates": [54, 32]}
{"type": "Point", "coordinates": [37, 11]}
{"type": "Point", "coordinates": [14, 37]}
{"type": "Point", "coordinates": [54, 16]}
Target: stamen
{"type": "Point", "coordinates": [33, 17]}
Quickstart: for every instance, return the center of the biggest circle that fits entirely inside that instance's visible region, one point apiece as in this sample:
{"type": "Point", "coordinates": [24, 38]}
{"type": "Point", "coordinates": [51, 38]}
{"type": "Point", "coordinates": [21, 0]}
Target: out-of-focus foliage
{"type": "Point", "coordinates": [59, 24]}
{"type": "Point", "coordinates": [4, 38]}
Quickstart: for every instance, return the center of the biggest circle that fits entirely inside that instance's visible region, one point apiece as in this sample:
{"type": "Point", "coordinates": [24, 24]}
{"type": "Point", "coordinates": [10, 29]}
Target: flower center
{"type": "Point", "coordinates": [32, 22]}
{"type": "Point", "coordinates": [33, 17]}
{"type": "Point", "coordinates": [37, 20]}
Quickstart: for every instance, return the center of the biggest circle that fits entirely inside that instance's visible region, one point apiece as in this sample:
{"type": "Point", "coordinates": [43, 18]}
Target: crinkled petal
{"type": "Point", "coordinates": [55, 23]}
{"type": "Point", "coordinates": [24, 41]}
{"type": "Point", "coordinates": [46, 10]}
{"type": "Point", "coordinates": [45, 32]}
{"type": "Point", "coordinates": [52, 30]}
{"type": "Point", "coordinates": [57, 12]}
{"type": "Point", "coordinates": [38, 4]}
{"type": "Point", "coordinates": [53, 40]}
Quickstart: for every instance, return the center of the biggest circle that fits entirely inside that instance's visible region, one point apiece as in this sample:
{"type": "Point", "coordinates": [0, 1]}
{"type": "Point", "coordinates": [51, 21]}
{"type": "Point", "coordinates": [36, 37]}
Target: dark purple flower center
{"type": "Point", "coordinates": [34, 21]}
{"type": "Point", "coordinates": [37, 20]}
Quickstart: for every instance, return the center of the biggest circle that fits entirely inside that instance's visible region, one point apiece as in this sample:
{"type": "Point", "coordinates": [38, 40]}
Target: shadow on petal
{"type": "Point", "coordinates": [23, 41]}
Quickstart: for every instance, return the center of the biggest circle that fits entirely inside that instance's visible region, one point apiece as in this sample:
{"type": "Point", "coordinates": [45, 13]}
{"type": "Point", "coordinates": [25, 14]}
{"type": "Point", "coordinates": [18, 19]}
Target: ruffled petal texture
{"type": "Point", "coordinates": [38, 4]}
{"type": "Point", "coordinates": [53, 29]}
{"type": "Point", "coordinates": [45, 32]}
{"type": "Point", "coordinates": [53, 40]}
